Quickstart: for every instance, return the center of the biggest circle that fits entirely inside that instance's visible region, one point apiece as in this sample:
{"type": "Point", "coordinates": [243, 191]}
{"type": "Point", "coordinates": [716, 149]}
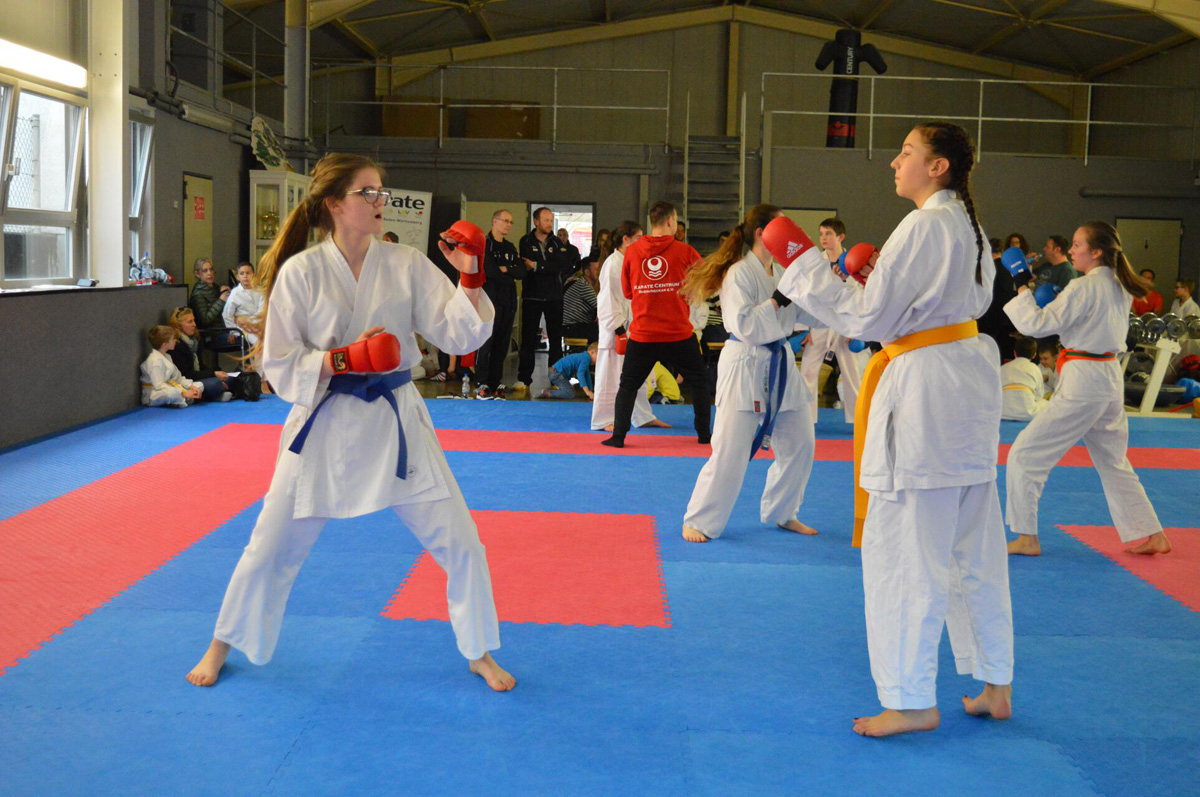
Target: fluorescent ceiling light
{"type": "Point", "coordinates": [40, 65]}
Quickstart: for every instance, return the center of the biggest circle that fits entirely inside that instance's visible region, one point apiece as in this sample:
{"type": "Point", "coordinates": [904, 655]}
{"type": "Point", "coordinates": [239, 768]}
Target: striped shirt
{"type": "Point", "coordinates": [579, 303]}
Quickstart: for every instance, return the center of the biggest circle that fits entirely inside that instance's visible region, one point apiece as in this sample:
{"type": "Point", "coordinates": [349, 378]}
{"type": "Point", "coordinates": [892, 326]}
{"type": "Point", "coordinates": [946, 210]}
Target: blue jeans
{"type": "Point", "coordinates": [560, 386]}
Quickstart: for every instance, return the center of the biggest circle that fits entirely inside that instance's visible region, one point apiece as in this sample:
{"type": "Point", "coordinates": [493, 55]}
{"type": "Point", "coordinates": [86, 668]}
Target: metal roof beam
{"type": "Point", "coordinates": [323, 11]}
{"type": "Point", "coordinates": [1137, 55]}
{"type": "Point", "coordinates": [875, 13]}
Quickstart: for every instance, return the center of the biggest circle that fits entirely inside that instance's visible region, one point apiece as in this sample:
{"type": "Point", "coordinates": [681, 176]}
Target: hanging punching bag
{"type": "Point", "coordinates": [846, 52]}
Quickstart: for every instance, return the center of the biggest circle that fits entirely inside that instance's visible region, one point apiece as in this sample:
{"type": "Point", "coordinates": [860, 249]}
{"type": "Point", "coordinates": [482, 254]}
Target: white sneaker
{"type": "Point", "coordinates": [226, 396]}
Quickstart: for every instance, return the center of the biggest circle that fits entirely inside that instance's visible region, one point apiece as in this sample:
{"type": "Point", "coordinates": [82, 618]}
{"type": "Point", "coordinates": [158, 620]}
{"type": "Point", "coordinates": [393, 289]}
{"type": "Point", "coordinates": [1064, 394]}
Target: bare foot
{"type": "Point", "coordinates": [892, 722]}
{"type": "Point", "coordinates": [205, 673]}
{"type": "Point", "coordinates": [495, 675]}
{"type": "Point", "coordinates": [608, 428]}
{"type": "Point", "coordinates": [798, 527]}
{"type": "Point", "coordinates": [994, 701]}
{"type": "Point", "coordinates": [1155, 543]}
{"type": "Point", "coordinates": [657, 424]}
{"type": "Point", "coordinates": [1025, 545]}
{"type": "Point", "coordinates": [694, 535]}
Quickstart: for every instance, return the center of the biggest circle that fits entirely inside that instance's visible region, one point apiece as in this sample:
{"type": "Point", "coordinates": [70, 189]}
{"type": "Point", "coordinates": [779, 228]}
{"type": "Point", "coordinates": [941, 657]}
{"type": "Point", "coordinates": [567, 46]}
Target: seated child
{"type": "Point", "coordinates": [573, 365]}
{"type": "Point", "coordinates": [663, 387]}
{"type": "Point", "coordinates": [1023, 384]}
{"type": "Point", "coordinates": [162, 384]}
{"type": "Point", "coordinates": [1048, 363]}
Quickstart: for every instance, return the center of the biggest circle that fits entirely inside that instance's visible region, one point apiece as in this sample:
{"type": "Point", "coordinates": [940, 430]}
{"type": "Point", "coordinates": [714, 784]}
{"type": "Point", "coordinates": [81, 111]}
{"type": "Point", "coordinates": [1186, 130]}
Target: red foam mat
{"type": "Point", "coordinates": [1176, 573]}
{"type": "Point", "coordinates": [555, 567]}
{"type": "Point", "coordinates": [66, 557]}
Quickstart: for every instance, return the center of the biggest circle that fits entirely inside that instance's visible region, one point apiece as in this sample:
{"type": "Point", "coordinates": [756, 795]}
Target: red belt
{"type": "Point", "coordinates": [1066, 355]}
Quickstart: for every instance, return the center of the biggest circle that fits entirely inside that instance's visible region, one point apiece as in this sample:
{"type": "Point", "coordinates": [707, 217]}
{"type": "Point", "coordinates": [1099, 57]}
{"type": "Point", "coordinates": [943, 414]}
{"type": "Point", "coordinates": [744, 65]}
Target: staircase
{"type": "Point", "coordinates": [712, 182]}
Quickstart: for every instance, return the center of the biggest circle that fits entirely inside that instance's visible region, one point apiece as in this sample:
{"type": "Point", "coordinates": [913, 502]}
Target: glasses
{"type": "Point", "coordinates": [372, 195]}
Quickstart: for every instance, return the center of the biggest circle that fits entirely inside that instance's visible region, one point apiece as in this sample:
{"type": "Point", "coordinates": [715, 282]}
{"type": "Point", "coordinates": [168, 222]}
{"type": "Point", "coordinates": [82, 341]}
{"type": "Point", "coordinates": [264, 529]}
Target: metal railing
{"type": "Point", "coordinates": [220, 57]}
{"type": "Point", "coordinates": [444, 106]}
{"type": "Point", "coordinates": [1087, 123]}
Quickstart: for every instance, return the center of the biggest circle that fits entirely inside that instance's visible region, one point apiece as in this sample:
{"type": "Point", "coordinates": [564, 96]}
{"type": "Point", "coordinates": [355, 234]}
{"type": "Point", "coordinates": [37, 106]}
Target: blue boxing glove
{"type": "Point", "coordinates": [1046, 293]}
{"type": "Point", "coordinates": [1191, 389]}
{"type": "Point", "coordinates": [856, 346]}
{"type": "Point", "coordinates": [1014, 260]}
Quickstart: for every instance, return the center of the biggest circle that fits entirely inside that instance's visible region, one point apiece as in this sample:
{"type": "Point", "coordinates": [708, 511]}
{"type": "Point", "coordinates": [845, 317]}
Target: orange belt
{"type": "Point", "coordinates": [1066, 355]}
{"type": "Point", "coordinates": [870, 379]}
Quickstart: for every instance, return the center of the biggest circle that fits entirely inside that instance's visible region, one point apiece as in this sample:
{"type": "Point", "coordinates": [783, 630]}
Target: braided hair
{"type": "Point", "coordinates": [953, 143]}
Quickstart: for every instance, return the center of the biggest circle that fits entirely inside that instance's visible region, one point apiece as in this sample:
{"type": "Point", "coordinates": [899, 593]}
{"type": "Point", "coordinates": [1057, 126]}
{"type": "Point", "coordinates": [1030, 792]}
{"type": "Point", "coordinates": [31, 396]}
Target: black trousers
{"type": "Point", "coordinates": [532, 311]}
{"type": "Point", "coordinates": [682, 356]}
{"type": "Point", "coordinates": [489, 364]}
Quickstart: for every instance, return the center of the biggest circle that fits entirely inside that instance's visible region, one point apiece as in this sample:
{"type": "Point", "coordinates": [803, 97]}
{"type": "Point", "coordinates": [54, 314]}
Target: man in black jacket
{"type": "Point", "coordinates": [502, 267]}
{"type": "Point", "coordinates": [548, 263]}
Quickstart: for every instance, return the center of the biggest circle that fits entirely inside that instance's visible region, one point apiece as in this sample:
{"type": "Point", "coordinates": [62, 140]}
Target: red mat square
{"type": "Point", "coordinates": [1174, 573]}
{"type": "Point", "coordinates": [555, 567]}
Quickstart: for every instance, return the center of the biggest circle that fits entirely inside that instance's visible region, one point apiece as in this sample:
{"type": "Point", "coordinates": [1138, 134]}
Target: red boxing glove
{"type": "Point", "coordinates": [858, 258]}
{"type": "Point", "coordinates": [785, 240]}
{"type": "Point", "coordinates": [377, 354]}
{"type": "Point", "coordinates": [468, 237]}
{"type": "Point", "coordinates": [622, 342]}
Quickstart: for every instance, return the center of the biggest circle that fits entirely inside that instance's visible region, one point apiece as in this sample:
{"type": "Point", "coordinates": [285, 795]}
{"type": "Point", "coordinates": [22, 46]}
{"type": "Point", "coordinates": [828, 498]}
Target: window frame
{"type": "Point", "coordinates": [72, 218]}
{"type": "Point", "coordinates": [141, 210]}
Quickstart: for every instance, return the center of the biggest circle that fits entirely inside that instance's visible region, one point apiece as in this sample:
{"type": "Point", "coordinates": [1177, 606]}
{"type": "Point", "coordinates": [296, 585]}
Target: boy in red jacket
{"type": "Point", "coordinates": [661, 329]}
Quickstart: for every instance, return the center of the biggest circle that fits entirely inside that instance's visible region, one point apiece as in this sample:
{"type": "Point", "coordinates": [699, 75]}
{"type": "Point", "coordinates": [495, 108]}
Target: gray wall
{"type": "Point", "coordinates": [180, 147]}
{"type": "Point", "coordinates": [1037, 197]}
{"type": "Point", "coordinates": [96, 336]}
{"type": "Point", "coordinates": [57, 27]}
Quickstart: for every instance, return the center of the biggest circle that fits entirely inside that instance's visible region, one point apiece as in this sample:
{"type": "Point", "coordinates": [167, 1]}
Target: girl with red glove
{"type": "Point", "coordinates": [341, 319]}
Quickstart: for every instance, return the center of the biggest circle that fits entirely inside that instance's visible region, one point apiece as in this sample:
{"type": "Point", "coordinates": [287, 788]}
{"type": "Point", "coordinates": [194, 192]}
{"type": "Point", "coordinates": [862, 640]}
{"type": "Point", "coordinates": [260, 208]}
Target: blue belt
{"type": "Point", "coordinates": [367, 388]}
{"type": "Point", "coordinates": [776, 386]}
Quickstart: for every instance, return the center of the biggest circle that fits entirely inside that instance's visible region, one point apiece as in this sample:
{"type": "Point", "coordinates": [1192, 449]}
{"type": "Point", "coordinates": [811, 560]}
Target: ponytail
{"type": "Point", "coordinates": [1102, 236]}
{"type": "Point", "coordinates": [953, 143]}
{"type": "Point", "coordinates": [705, 279]}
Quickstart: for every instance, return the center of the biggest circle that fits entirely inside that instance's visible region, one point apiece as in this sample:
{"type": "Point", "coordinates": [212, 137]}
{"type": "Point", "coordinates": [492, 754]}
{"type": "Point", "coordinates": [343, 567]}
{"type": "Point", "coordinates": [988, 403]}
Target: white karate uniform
{"type": "Point", "coordinates": [1187, 345]}
{"type": "Point", "coordinates": [613, 311]}
{"type": "Point", "coordinates": [162, 383]}
{"type": "Point", "coordinates": [244, 304]}
{"type": "Point", "coordinates": [1023, 390]}
{"type": "Point", "coordinates": [1092, 315]}
{"type": "Point", "coordinates": [742, 376]}
{"type": "Point", "coordinates": [348, 465]}
{"type": "Point", "coordinates": [820, 343]}
{"type": "Point", "coordinates": [1049, 378]}
{"type": "Point", "coordinates": [933, 542]}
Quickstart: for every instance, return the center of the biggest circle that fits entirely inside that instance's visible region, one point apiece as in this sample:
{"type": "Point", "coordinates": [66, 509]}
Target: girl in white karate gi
{"type": "Point", "coordinates": [1091, 318]}
{"type": "Point", "coordinates": [614, 313]}
{"type": "Point", "coordinates": [348, 288]}
{"type": "Point", "coordinates": [754, 324]}
{"type": "Point", "coordinates": [933, 539]}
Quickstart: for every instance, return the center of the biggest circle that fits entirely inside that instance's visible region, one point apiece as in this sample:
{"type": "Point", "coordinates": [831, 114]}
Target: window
{"type": "Point", "coordinates": [577, 219]}
{"type": "Point", "coordinates": [40, 152]}
{"type": "Point", "coordinates": [141, 137]}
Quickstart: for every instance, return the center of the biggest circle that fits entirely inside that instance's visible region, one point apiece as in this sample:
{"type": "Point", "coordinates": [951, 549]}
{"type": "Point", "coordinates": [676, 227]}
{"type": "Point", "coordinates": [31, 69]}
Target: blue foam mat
{"type": "Point", "coordinates": [750, 690]}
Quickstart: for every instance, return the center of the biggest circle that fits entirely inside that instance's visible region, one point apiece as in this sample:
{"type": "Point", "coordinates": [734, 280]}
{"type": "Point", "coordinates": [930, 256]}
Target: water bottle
{"type": "Point", "coordinates": [147, 267]}
{"type": "Point", "coordinates": [466, 390]}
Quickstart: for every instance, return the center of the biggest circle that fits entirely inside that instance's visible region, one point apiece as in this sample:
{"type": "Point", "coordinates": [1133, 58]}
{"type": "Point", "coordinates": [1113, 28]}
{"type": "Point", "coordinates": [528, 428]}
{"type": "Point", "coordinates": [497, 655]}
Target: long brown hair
{"type": "Point", "coordinates": [706, 277]}
{"type": "Point", "coordinates": [1103, 236]}
{"type": "Point", "coordinates": [954, 144]}
{"type": "Point", "coordinates": [331, 178]}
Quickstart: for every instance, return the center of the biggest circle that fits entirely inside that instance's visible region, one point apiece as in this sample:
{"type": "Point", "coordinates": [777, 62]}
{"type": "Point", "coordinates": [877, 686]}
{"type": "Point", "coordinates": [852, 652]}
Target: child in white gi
{"type": "Point", "coordinates": [162, 384]}
{"type": "Point", "coordinates": [1023, 384]}
{"type": "Point", "coordinates": [1091, 317]}
{"type": "Point", "coordinates": [244, 304]}
{"type": "Point", "coordinates": [349, 456]}
{"type": "Point", "coordinates": [755, 359]}
{"type": "Point", "coordinates": [932, 537]}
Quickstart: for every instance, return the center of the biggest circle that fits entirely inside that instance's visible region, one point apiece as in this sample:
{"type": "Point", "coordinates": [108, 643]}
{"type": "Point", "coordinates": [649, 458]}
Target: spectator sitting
{"type": "Point", "coordinates": [1152, 302]}
{"type": "Point", "coordinates": [244, 305]}
{"type": "Point", "coordinates": [1184, 305]}
{"type": "Point", "coordinates": [1048, 364]}
{"type": "Point", "coordinates": [1023, 384]}
{"type": "Point", "coordinates": [1056, 270]}
{"type": "Point", "coordinates": [390, 237]}
{"type": "Point", "coordinates": [578, 366]}
{"type": "Point", "coordinates": [663, 386]}
{"type": "Point", "coordinates": [207, 299]}
{"type": "Point", "coordinates": [162, 384]}
{"type": "Point", "coordinates": [186, 356]}
{"type": "Point", "coordinates": [579, 304]}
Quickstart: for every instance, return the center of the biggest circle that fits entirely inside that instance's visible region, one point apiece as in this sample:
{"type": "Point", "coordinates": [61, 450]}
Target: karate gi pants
{"type": "Point", "coordinates": [608, 380]}
{"type": "Point", "coordinates": [932, 558]}
{"type": "Point", "coordinates": [1104, 428]}
{"type": "Point", "coordinates": [821, 342]}
{"type": "Point", "coordinates": [252, 612]}
{"type": "Point", "coordinates": [720, 479]}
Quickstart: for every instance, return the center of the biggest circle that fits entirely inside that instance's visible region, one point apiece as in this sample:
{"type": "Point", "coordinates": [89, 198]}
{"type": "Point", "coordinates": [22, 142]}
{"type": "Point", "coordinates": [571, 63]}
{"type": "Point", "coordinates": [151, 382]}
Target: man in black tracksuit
{"type": "Point", "coordinates": [503, 268]}
{"type": "Point", "coordinates": [548, 262]}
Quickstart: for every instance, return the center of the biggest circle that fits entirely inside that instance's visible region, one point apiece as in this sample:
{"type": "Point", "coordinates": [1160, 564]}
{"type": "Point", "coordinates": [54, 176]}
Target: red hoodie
{"type": "Point", "coordinates": [654, 268]}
